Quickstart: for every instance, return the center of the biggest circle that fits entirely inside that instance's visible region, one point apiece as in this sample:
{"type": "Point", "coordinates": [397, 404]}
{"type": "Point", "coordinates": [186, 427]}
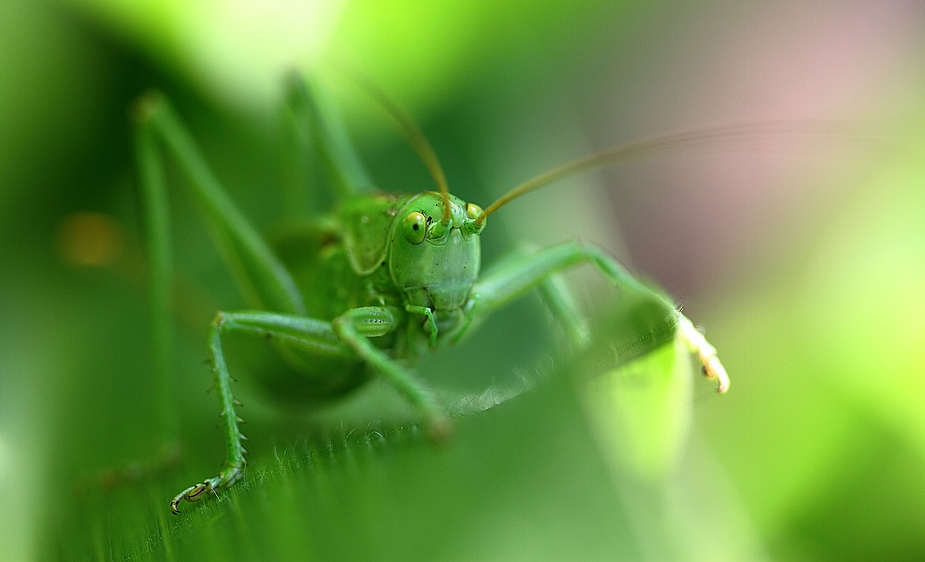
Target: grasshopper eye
{"type": "Point", "coordinates": [473, 210]}
{"type": "Point", "coordinates": [414, 227]}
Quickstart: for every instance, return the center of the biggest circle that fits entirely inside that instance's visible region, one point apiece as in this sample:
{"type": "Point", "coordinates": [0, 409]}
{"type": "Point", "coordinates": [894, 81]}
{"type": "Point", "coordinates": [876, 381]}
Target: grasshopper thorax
{"type": "Point", "coordinates": [435, 262]}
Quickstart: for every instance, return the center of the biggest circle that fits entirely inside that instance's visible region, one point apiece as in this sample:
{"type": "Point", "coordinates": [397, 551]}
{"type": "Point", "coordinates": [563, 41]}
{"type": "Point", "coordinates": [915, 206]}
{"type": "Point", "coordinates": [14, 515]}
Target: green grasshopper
{"type": "Point", "coordinates": [387, 277]}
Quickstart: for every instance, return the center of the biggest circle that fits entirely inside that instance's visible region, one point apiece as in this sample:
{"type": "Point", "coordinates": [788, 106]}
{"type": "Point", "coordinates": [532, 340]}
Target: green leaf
{"type": "Point", "coordinates": [522, 480]}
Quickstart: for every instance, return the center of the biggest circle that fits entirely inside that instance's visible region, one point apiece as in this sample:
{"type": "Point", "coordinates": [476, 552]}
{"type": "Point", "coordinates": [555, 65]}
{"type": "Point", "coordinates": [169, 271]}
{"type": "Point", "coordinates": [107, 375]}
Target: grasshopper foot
{"type": "Point", "coordinates": [192, 494]}
{"type": "Point", "coordinates": [712, 368]}
{"type": "Point", "coordinates": [198, 491]}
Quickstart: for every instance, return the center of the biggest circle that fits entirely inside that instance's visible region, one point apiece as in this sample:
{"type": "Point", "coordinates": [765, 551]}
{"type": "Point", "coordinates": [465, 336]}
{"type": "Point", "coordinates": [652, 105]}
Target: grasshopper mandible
{"type": "Point", "coordinates": [388, 277]}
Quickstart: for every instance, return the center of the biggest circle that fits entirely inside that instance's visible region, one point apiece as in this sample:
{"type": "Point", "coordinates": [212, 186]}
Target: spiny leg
{"type": "Point", "coordinates": [314, 336]}
{"type": "Point", "coordinates": [516, 275]}
{"type": "Point", "coordinates": [348, 337]}
{"type": "Point", "coordinates": [234, 465]}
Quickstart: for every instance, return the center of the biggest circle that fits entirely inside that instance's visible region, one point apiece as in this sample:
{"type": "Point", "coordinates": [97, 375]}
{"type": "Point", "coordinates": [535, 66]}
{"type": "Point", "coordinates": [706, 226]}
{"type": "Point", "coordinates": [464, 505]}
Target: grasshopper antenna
{"type": "Point", "coordinates": [741, 137]}
{"type": "Point", "coordinates": [412, 134]}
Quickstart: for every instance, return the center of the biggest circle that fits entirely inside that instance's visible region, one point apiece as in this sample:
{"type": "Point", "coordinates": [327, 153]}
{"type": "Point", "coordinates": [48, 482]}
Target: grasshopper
{"type": "Point", "coordinates": [388, 277]}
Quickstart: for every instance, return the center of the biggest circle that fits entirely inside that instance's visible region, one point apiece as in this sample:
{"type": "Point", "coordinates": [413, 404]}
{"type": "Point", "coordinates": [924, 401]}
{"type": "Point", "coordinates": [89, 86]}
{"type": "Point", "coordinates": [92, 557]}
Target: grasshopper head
{"type": "Point", "coordinates": [435, 262]}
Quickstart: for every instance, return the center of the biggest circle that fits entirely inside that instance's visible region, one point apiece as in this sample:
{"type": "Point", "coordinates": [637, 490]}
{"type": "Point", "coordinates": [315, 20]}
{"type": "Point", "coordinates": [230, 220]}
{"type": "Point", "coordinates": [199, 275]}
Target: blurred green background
{"type": "Point", "coordinates": [803, 258]}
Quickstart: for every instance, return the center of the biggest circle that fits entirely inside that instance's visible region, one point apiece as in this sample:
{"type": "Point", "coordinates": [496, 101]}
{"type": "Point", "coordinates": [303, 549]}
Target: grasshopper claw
{"type": "Point", "coordinates": [192, 494]}
{"type": "Point", "coordinates": [198, 491]}
{"type": "Point", "coordinates": [706, 353]}
{"type": "Point", "coordinates": [714, 370]}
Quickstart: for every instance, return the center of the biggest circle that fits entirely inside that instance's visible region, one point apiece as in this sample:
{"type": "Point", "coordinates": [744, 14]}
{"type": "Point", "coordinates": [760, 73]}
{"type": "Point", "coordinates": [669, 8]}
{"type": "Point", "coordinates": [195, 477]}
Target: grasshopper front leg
{"type": "Point", "coordinates": [306, 333]}
{"type": "Point", "coordinates": [516, 275]}
{"type": "Point", "coordinates": [346, 337]}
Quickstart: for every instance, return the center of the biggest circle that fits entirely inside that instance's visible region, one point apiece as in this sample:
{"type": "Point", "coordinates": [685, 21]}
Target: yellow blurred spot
{"type": "Point", "coordinates": [89, 239]}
